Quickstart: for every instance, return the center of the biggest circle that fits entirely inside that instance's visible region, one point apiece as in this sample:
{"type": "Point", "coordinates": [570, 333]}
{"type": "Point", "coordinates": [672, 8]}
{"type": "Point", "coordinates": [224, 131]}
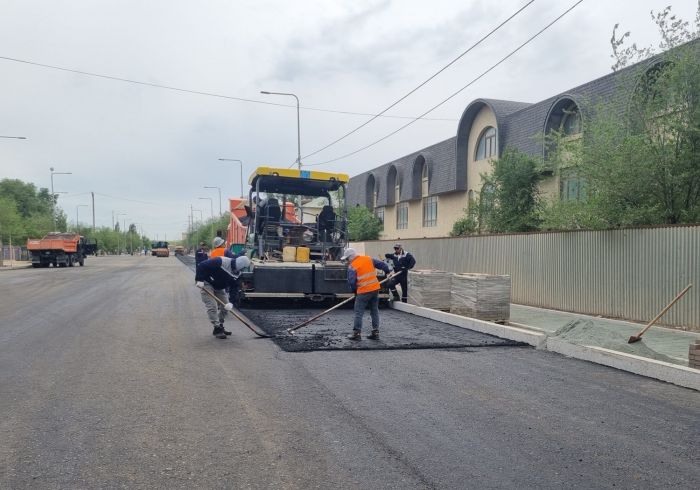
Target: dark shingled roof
{"type": "Point", "coordinates": [520, 125]}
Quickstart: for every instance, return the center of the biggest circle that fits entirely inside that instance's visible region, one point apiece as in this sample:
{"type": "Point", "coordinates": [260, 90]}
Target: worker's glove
{"type": "Point", "coordinates": [228, 306]}
{"type": "Point", "coordinates": [199, 284]}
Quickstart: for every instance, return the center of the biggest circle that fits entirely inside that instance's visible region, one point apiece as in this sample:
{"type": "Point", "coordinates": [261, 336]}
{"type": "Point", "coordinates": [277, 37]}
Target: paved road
{"type": "Point", "coordinates": [109, 377]}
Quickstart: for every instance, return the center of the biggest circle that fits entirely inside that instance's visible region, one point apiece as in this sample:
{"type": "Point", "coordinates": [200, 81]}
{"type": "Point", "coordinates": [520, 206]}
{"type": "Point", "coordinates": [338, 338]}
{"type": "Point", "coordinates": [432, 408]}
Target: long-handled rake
{"type": "Point", "coordinates": [293, 329]}
{"type": "Point", "coordinates": [638, 337]}
{"type": "Point", "coordinates": [239, 317]}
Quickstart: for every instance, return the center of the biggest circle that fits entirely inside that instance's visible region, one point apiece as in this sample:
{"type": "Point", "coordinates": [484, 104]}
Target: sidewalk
{"type": "Point", "coordinates": [8, 265]}
{"type": "Point", "coordinates": [662, 344]}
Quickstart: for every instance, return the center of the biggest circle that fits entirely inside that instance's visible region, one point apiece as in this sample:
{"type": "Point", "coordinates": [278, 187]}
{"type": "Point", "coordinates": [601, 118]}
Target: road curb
{"type": "Point", "coordinates": [651, 368]}
{"type": "Point", "coordinates": [535, 339]}
{"type": "Point", "coordinates": [14, 268]}
{"type": "Point", "coordinates": [643, 366]}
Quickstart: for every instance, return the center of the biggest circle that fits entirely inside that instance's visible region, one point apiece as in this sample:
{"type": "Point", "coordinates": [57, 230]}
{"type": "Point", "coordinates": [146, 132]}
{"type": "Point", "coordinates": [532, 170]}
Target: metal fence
{"type": "Point", "coordinates": [14, 253]}
{"type": "Point", "coordinates": [628, 273]}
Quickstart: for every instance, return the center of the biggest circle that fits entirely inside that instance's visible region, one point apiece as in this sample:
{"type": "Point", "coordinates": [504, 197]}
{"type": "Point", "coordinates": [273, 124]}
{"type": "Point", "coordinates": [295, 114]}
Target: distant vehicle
{"type": "Point", "coordinates": [160, 249]}
{"type": "Point", "coordinates": [61, 249]}
{"type": "Point", "coordinates": [179, 250]}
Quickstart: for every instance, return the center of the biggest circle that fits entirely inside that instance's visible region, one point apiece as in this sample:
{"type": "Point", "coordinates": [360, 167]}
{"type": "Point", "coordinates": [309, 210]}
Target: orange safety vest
{"type": "Point", "coordinates": [366, 274]}
{"type": "Point", "coordinates": [217, 252]}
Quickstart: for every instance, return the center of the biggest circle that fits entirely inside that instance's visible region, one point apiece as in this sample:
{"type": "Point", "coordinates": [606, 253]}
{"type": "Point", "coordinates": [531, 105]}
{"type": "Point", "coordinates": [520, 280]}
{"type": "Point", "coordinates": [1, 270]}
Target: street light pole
{"type": "Point", "coordinates": [219, 189]}
{"type": "Point", "coordinates": [119, 249]}
{"type": "Point", "coordinates": [53, 195]}
{"type": "Point", "coordinates": [298, 124]}
{"type": "Point", "coordinates": [14, 137]}
{"type": "Point", "coordinates": [239, 161]}
{"type": "Point", "coordinates": [76, 215]}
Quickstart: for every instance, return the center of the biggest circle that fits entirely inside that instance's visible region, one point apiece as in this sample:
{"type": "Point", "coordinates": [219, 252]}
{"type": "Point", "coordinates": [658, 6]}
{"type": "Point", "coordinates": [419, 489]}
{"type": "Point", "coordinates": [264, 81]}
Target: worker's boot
{"type": "Point", "coordinates": [374, 335]}
{"type": "Point", "coordinates": [225, 331]}
{"type": "Point", "coordinates": [219, 332]}
{"type": "Point", "coordinates": [355, 335]}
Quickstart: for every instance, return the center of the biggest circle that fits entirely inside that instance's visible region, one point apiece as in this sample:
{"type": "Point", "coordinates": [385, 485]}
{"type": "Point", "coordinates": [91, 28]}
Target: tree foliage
{"type": "Point", "coordinates": [363, 224]}
{"type": "Point", "coordinates": [25, 211]}
{"type": "Point", "coordinates": [514, 203]}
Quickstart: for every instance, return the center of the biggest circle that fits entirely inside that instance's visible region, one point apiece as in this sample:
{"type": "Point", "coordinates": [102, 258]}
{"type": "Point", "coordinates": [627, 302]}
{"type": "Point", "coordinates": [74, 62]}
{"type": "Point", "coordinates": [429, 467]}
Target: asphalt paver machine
{"type": "Point", "coordinates": [297, 231]}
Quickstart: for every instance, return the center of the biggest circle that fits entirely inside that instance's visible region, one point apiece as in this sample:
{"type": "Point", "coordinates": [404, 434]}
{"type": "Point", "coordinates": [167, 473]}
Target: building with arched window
{"type": "Point", "coordinates": [423, 193]}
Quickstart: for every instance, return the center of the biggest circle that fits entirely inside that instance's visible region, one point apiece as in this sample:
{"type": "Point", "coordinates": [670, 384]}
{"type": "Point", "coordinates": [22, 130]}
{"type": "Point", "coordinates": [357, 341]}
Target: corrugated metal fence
{"type": "Point", "coordinates": [628, 273]}
{"type": "Point", "coordinates": [14, 253]}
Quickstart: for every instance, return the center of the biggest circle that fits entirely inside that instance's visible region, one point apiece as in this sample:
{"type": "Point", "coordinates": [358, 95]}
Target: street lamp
{"type": "Point", "coordinates": [76, 215]}
{"type": "Point", "coordinates": [219, 189]}
{"type": "Point", "coordinates": [298, 125]}
{"type": "Point", "coordinates": [239, 161]}
{"type": "Point", "coordinates": [53, 195]}
{"type": "Point", "coordinates": [14, 137]}
{"type": "Point", "coordinates": [119, 249]}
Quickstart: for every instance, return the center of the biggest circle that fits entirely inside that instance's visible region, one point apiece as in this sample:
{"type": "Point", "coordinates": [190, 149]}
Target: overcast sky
{"type": "Point", "coordinates": [148, 152]}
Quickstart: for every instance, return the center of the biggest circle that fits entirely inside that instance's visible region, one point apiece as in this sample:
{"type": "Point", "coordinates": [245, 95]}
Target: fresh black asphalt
{"type": "Point", "coordinates": [110, 378]}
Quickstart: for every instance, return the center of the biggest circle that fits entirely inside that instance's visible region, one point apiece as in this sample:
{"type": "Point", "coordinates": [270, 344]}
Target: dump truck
{"type": "Point", "coordinates": [179, 250]}
{"type": "Point", "coordinates": [60, 249]}
{"type": "Point", "coordinates": [160, 249]}
{"type": "Point", "coordinates": [296, 234]}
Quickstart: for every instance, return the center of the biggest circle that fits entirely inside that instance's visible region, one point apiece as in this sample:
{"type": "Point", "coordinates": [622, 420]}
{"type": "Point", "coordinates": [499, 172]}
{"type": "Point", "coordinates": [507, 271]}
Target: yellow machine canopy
{"type": "Point", "coordinates": [294, 181]}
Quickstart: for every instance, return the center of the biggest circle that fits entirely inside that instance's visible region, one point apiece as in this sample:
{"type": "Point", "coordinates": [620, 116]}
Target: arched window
{"type": "Point", "coordinates": [571, 121]}
{"type": "Point", "coordinates": [487, 144]}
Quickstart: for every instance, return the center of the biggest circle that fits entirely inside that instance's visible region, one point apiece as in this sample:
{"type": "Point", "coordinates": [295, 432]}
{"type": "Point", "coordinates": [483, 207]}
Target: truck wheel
{"type": "Point", "coordinates": [82, 262]}
{"type": "Point", "coordinates": [36, 265]}
{"type": "Point", "coordinates": [70, 261]}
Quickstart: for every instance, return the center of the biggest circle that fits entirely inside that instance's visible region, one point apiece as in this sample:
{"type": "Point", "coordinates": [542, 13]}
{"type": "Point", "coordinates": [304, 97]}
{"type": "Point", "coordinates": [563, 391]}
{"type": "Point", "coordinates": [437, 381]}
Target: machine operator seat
{"type": "Point", "coordinates": [326, 222]}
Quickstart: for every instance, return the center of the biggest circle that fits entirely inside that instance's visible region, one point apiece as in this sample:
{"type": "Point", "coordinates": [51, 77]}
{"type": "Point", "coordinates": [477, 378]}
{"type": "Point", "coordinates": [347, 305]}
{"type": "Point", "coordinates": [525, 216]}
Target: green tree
{"type": "Point", "coordinates": [11, 222]}
{"type": "Point", "coordinates": [34, 208]}
{"type": "Point", "coordinates": [514, 182]}
{"type": "Point", "coordinates": [646, 169]}
{"type": "Point", "coordinates": [363, 224]}
{"type": "Point", "coordinates": [642, 168]}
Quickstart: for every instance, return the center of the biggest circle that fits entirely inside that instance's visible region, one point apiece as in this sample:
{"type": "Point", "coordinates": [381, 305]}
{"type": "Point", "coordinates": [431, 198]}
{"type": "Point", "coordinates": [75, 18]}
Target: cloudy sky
{"type": "Point", "coordinates": [148, 152]}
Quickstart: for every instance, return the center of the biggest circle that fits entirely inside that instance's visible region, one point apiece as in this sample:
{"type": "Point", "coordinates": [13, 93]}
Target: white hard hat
{"type": "Point", "coordinates": [218, 242]}
{"type": "Point", "coordinates": [349, 254]}
{"type": "Point", "coordinates": [242, 262]}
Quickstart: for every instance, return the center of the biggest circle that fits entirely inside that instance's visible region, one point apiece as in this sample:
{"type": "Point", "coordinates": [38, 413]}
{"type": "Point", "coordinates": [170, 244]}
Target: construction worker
{"type": "Point", "coordinates": [201, 254]}
{"type": "Point", "coordinates": [362, 277]}
{"type": "Point", "coordinates": [403, 262]}
{"type": "Point", "coordinates": [216, 276]}
{"type": "Point", "coordinates": [219, 249]}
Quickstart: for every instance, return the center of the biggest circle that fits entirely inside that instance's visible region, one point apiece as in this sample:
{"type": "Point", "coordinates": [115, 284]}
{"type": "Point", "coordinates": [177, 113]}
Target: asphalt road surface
{"type": "Point", "coordinates": [110, 377]}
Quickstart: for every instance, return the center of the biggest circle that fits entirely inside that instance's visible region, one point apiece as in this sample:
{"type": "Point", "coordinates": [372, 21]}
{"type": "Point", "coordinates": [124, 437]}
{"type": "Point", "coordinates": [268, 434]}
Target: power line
{"type": "Point", "coordinates": [477, 43]}
{"type": "Point", "coordinates": [455, 93]}
{"type": "Point", "coordinates": [207, 94]}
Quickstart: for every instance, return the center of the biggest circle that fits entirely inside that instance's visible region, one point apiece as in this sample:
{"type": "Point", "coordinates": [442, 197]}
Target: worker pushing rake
{"type": "Point", "coordinates": [215, 275]}
{"type": "Point", "coordinates": [362, 277]}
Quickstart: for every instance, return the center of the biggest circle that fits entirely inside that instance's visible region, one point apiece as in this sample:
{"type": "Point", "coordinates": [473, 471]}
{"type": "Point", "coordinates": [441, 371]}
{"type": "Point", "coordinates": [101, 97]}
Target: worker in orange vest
{"type": "Point", "coordinates": [219, 248]}
{"type": "Point", "coordinates": [362, 277]}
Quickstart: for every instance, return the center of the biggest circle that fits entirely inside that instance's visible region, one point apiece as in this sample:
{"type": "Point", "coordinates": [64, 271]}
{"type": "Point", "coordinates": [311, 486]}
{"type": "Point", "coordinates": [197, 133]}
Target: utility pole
{"type": "Point", "coordinates": [53, 195]}
{"type": "Point", "coordinates": [93, 212]}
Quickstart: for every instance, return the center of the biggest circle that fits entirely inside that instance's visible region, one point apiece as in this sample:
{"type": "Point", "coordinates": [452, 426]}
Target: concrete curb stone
{"type": "Point", "coordinates": [671, 373]}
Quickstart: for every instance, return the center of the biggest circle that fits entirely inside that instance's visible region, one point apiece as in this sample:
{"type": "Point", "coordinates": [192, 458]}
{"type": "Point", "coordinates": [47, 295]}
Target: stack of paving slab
{"type": "Point", "coordinates": [429, 289]}
{"type": "Point", "coordinates": [482, 296]}
{"type": "Point", "coordinates": [693, 355]}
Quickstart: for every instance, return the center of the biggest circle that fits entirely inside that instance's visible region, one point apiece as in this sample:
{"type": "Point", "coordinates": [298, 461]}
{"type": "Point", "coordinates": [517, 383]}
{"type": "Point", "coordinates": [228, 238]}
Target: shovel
{"type": "Point", "coordinates": [238, 316]}
{"type": "Point", "coordinates": [637, 338]}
